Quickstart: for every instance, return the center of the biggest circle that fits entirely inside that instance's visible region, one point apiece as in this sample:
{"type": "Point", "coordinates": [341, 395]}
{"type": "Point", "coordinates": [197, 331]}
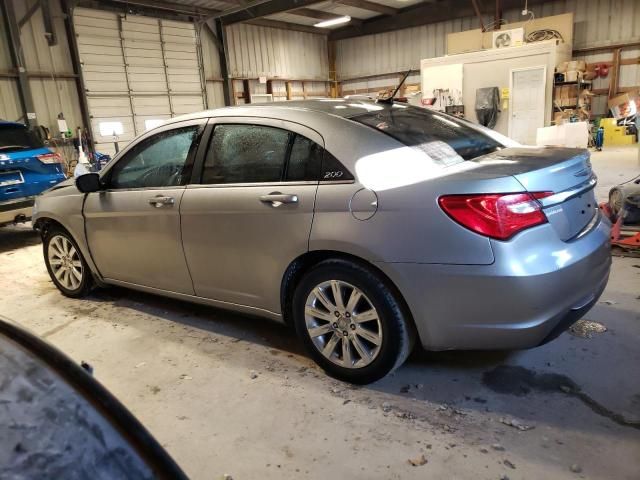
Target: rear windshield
{"type": "Point", "coordinates": [14, 138]}
{"type": "Point", "coordinates": [445, 139]}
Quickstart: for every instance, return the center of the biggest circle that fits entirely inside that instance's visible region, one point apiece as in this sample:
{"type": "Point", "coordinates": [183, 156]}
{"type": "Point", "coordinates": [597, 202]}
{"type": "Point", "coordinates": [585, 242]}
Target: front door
{"type": "Point", "coordinates": [133, 225]}
{"type": "Point", "coordinates": [251, 213]}
{"type": "Point", "coordinates": [527, 103]}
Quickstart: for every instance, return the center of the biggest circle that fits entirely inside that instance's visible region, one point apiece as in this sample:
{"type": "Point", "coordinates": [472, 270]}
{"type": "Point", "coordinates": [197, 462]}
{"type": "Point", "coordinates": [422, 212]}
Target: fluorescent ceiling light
{"type": "Point", "coordinates": [333, 22]}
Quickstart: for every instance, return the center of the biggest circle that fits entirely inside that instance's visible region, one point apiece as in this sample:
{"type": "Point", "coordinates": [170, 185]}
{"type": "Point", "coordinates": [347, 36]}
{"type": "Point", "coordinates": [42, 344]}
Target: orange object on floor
{"type": "Point", "coordinates": [620, 237]}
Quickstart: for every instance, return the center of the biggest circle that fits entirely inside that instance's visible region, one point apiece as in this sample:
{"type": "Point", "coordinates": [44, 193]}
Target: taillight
{"type": "Point", "coordinates": [49, 158]}
{"type": "Point", "coordinates": [496, 215]}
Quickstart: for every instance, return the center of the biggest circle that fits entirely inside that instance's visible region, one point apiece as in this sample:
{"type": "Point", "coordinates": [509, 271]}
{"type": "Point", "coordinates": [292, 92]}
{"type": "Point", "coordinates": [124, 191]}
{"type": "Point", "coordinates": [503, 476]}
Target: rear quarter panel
{"type": "Point", "coordinates": [408, 225]}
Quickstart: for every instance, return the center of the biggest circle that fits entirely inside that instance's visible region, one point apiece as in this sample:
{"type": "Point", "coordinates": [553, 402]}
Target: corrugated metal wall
{"type": "Point", "coordinates": [597, 22]}
{"type": "Point", "coordinates": [51, 96]}
{"type": "Point", "coordinates": [212, 72]}
{"type": "Point", "coordinates": [261, 51]}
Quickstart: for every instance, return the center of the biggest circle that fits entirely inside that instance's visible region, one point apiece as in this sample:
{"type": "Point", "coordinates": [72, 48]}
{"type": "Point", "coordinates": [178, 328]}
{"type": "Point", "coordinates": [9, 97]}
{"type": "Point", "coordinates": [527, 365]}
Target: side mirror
{"type": "Point", "coordinates": [89, 182]}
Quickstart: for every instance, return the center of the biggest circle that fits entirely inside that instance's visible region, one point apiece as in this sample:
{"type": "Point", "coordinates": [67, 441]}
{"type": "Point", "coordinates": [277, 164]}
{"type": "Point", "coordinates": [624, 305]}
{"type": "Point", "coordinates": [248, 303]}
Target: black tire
{"type": "Point", "coordinates": [85, 284]}
{"type": "Point", "coordinates": [398, 331]}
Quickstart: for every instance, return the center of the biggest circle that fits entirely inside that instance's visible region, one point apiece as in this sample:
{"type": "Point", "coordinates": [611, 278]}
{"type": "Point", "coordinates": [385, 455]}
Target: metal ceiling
{"type": "Point", "coordinates": [289, 14]}
{"type": "Point", "coordinates": [367, 16]}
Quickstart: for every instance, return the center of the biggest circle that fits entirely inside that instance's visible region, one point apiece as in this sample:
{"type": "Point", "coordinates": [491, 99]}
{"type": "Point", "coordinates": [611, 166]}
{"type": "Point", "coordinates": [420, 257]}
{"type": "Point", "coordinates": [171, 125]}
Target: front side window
{"type": "Point", "coordinates": [159, 161]}
{"type": "Point", "coordinates": [246, 154]}
{"type": "Point", "coordinates": [445, 139]}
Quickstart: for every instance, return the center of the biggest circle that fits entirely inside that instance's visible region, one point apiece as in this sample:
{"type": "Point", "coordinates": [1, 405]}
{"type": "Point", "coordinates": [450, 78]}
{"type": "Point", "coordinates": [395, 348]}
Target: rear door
{"type": "Point", "coordinates": [133, 225]}
{"type": "Point", "coordinates": [250, 213]}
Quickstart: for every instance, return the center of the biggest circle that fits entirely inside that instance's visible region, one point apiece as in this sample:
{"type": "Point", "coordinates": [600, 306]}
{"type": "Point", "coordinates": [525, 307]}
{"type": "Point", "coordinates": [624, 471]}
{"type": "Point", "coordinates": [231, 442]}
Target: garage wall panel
{"type": "Point", "coordinates": [9, 104]}
{"type": "Point", "coordinates": [51, 95]}
{"type": "Point", "coordinates": [211, 71]}
{"type": "Point", "coordinates": [256, 51]}
{"type": "Point", "coordinates": [596, 23]}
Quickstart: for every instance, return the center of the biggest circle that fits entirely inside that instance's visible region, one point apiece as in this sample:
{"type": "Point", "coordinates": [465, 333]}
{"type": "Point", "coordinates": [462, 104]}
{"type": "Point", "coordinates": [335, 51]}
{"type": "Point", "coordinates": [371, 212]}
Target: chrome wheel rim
{"type": "Point", "coordinates": [65, 262]}
{"type": "Point", "coordinates": [343, 324]}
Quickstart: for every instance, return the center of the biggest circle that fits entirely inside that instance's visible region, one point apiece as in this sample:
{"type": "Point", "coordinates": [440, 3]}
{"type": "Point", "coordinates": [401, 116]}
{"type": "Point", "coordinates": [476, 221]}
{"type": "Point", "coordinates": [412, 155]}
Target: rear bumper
{"type": "Point", "coordinates": [19, 209]}
{"type": "Point", "coordinates": [536, 288]}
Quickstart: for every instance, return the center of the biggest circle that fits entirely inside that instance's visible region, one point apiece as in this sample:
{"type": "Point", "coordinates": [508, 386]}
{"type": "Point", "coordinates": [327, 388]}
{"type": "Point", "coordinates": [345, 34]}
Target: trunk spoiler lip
{"type": "Point", "coordinates": [569, 193]}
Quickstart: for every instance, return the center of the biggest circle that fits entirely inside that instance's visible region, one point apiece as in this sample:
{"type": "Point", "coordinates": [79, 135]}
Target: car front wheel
{"type": "Point", "coordinates": [351, 322]}
{"type": "Point", "coordinates": [65, 264]}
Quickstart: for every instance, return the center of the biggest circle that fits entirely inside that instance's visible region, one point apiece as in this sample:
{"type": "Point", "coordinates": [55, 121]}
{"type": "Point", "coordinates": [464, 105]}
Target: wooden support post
{"type": "Point", "coordinates": [270, 86]}
{"type": "Point", "coordinates": [497, 19]}
{"type": "Point", "coordinates": [288, 86]}
{"type": "Point", "coordinates": [614, 81]}
{"type": "Point", "coordinates": [333, 74]}
{"type": "Point", "coordinates": [304, 92]}
{"type": "Point", "coordinates": [246, 87]}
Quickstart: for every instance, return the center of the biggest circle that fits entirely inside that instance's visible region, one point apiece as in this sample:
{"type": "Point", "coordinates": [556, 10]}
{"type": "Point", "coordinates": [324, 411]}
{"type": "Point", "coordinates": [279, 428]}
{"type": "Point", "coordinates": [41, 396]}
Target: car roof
{"type": "Point", "coordinates": [340, 107]}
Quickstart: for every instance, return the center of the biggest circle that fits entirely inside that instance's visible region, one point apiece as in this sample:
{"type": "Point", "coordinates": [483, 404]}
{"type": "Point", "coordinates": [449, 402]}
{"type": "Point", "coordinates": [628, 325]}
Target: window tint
{"type": "Point", "coordinates": [304, 161]}
{"type": "Point", "coordinates": [444, 138]}
{"type": "Point", "coordinates": [17, 137]}
{"type": "Point", "coordinates": [246, 153]}
{"type": "Point", "coordinates": [159, 161]}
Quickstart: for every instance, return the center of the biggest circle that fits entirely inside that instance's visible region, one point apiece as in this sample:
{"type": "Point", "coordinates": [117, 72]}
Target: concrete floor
{"type": "Point", "coordinates": [186, 372]}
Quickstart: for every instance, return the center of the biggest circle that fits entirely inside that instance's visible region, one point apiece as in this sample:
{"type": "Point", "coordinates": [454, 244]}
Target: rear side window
{"type": "Point", "coordinates": [305, 160]}
{"type": "Point", "coordinates": [14, 138]}
{"type": "Point", "coordinates": [246, 154]}
{"type": "Point", "coordinates": [445, 139]}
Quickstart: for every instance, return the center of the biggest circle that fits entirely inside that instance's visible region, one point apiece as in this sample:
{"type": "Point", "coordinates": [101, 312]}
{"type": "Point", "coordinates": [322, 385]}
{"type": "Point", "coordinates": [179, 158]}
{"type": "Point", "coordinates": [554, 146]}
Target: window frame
{"type": "Point", "coordinates": [107, 171]}
{"type": "Point", "coordinates": [291, 127]}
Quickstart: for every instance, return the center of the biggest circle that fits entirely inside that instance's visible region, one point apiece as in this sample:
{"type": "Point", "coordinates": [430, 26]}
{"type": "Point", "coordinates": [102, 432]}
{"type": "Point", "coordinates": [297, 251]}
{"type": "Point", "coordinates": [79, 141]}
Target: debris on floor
{"type": "Point", "coordinates": [512, 422]}
{"type": "Point", "coordinates": [608, 302]}
{"type": "Point", "coordinates": [586, 328]}
{"type": "Point", "coordinates": [418, 461]}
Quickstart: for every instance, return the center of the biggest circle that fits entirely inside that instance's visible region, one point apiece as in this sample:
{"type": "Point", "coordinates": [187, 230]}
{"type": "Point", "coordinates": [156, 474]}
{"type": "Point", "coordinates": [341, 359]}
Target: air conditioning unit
{"type": "Point", "coordinates": [508, 38]}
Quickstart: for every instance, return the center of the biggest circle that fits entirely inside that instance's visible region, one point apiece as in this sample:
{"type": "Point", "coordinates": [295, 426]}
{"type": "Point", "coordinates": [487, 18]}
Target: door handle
{"type": "Point", "coordinates": [160, 201]}
{"type": "Point", "coordinates": [276, 198]}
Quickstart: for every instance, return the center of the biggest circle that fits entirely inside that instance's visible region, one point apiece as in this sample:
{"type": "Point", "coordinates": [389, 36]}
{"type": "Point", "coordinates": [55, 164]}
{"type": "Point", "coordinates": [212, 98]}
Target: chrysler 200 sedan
{"type": "Point", "coordinates": [367, 226]}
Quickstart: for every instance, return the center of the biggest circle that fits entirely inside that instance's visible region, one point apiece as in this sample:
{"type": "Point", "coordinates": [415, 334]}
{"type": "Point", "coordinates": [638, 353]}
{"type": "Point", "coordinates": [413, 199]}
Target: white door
{"type": "Point", "coordinates": [527, 103]}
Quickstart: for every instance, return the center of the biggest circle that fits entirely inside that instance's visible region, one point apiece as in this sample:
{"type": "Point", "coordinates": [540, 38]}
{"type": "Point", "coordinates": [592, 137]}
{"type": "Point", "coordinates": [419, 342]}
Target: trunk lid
{"type": "Point", "coordinates": [564, 171]}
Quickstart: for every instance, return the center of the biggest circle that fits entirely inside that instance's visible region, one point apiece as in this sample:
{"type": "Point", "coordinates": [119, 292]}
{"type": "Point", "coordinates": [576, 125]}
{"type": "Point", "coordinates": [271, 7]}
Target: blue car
{"type": "Point", "coordinates": [27, 168]}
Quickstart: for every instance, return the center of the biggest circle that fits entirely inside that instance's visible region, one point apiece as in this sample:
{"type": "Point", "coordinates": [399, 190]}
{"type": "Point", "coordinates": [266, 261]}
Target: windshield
{"type": "Point", "coordinates": [17, 137]}
{"type": "Point", "coordinates": [445, 139]}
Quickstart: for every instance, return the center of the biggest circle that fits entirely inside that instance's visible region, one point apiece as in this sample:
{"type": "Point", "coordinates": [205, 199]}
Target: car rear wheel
{"type": "Point", "coordinates": [65, 264]}
{"type": "Point", "coordinates": [351, 322]}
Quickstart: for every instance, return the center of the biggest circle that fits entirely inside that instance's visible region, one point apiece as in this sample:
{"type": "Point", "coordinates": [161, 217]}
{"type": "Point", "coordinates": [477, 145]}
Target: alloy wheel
{"type": "Point", "coordinates": [65, 262]}
{"type": "Point", "coordinates": [343, 324]}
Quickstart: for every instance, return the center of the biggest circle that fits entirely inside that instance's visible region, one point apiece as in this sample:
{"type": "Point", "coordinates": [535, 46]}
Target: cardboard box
{"type": "Point", "coordinates": [624, 105]}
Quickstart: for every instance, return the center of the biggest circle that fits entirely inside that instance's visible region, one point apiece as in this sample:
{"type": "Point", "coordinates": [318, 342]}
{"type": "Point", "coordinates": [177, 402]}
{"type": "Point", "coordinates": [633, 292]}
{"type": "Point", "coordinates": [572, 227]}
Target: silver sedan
{"type": "Point", "coordinates": [366, 226]}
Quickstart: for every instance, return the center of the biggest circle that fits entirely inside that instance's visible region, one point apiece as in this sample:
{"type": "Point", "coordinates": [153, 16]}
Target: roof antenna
{"type": "Point", "coordinates": [389, 99]}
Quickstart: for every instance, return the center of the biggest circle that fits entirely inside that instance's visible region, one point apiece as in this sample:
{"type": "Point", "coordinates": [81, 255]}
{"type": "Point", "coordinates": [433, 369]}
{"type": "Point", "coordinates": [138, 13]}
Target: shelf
{"type": "Point", "coordinates": [573, 83]}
